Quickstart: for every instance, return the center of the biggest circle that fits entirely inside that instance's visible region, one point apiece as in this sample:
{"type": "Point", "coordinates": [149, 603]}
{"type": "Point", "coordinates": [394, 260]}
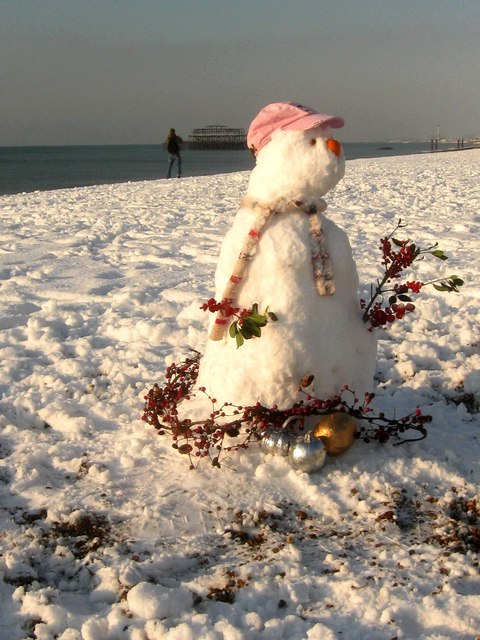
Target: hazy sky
{"type": "Point", "coordinates": [125, 71]}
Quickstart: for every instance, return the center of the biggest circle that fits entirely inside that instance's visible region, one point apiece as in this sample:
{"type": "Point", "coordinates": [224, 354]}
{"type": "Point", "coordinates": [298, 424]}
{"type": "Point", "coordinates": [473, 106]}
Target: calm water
{"type": "Point", "coordinates": [45, 168]}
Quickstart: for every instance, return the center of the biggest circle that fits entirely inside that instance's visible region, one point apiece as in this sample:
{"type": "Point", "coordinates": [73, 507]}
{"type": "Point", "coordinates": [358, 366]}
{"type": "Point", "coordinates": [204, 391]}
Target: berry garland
{"type": "Point", "coordinates": [229, 427]}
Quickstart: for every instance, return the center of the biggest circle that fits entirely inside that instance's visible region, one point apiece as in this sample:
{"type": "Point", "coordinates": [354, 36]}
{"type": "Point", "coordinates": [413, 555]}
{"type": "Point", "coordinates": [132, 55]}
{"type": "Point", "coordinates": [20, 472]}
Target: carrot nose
{"type": "Point", "coordinates": [334, 146]}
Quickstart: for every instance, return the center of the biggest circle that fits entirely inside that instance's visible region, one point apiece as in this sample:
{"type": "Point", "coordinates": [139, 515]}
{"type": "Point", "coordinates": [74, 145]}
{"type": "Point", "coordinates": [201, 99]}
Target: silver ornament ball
{"type": "Point", "coordinates": [277, 443]}
{"type": "Point", "coordinates": [307, 453]}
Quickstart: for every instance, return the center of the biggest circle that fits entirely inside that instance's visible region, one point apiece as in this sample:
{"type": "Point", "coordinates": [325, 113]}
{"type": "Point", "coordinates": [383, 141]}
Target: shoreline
{"type": "Point", "coordinates": [32, 169]}
{"type": "Point", "coordinates": [448, 150]}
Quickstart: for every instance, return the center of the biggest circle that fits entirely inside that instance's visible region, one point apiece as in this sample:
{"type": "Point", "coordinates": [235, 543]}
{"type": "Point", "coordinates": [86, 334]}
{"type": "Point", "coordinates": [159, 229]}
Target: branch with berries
{"type": "Point", "coordinates": [398, 255]}
{"type": "Point", "coordinates": [228, 427]}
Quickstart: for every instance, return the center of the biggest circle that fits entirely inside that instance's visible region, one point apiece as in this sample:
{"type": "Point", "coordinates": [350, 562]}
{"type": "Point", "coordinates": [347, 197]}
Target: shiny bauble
{"type": "Point", "coordinates": [337, 431]}
{"type": "Point", "coordinates": [277, 443]}
{"type": "Point", "coordinates": [307, 453]}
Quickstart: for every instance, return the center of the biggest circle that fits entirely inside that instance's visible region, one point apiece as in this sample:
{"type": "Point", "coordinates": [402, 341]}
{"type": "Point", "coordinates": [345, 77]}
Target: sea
{"type": "Point", "coordinates": [27, 169]}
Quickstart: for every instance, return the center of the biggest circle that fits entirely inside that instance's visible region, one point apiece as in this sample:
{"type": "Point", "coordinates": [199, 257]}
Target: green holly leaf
{"type": "Point", "coordinates": [438, 253]}
{"type": "Point", "coordinates": [239, 339]}
{"type": "Point", "coordinates": [259, 321]}
{"type": "Point", "coordinates": [246, 330]}
{"type": "Point", "coordinates": [256, 331]}
{"type": "Point", "coordinates": [250, 329]}
{"type": "Point", "coordinates": [233, 331]}
{"type": "Point", "coordinates": [454, 285]}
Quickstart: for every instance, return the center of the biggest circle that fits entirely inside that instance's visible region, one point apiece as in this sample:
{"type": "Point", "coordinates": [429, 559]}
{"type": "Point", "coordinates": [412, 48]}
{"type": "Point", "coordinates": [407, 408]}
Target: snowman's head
{"type": "Point", "coordinates": [297, 154]}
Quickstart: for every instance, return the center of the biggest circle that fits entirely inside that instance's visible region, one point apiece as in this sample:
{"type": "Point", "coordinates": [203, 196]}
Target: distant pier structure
{"type": "Point", "coordinates": [217, 136]}
{"type": "Point", "coordinates": [459, 142]}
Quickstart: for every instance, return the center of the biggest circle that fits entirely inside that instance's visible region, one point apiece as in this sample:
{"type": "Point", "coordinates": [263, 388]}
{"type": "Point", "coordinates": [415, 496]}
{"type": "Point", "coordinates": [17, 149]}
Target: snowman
{"type": "Point", "coordinates": [283, 254]}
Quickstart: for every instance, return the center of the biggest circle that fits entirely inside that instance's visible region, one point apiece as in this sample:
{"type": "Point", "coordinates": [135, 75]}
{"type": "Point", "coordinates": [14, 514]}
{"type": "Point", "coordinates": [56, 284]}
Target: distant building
{"type": "Point", "coordinates": [217, 137]}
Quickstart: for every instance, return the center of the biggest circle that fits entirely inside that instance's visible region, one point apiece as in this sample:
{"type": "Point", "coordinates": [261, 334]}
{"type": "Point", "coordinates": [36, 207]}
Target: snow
{"type": "Point", "coordinates": [106, 534]}
{"type": "Point", "coordinates": [147, 601]}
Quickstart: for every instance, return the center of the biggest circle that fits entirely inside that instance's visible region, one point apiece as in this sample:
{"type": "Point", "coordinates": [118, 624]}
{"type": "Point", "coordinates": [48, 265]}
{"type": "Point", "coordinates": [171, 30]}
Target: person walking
{"type": "Point", "coordinates": [173, 149]}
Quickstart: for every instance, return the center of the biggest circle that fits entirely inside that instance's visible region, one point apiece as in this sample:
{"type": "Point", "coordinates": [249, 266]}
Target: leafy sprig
{"type": "Point", "coordinates": [249, 324]}
{"type": "Point", "coordinates": [246, 323]}
{"type": "Point", "coordinates": [453, 283]}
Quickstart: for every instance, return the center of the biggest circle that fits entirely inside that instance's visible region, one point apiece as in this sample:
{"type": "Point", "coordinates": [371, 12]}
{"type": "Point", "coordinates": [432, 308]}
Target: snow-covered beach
{"type": "Point", "coordinates": [107, 535]}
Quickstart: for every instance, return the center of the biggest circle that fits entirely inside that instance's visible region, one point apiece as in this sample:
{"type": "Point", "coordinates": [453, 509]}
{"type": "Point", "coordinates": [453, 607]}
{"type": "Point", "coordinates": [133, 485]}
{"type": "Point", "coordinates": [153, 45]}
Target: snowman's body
{"type": "Point", "coordinates": [323, 335]}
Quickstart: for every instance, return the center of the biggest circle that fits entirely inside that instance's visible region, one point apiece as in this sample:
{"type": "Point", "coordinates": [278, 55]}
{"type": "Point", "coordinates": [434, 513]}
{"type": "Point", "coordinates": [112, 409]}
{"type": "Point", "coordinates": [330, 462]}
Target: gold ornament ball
{"type": "Point", "coordinates": [337, 431]}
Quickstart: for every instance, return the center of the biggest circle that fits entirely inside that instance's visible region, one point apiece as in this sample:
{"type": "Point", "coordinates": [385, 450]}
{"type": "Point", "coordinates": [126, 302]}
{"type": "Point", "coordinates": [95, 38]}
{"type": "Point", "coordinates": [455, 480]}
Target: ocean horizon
{"type": "Point", "coordinates": [45, 168]}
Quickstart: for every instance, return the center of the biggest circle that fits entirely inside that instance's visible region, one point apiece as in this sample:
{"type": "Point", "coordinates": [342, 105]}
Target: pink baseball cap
{"type": "Point", "coordinates": [289, 116]}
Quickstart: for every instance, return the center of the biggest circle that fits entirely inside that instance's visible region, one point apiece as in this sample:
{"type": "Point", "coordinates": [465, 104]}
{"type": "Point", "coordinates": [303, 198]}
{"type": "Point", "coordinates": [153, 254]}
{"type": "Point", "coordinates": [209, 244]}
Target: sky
{"type": "Point", "coordinates": [124, 72]}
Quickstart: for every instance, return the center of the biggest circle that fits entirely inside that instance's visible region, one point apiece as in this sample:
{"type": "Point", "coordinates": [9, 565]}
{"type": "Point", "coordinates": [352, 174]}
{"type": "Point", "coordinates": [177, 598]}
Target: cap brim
{"type": "Point", "coordinates": [314, 120]}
